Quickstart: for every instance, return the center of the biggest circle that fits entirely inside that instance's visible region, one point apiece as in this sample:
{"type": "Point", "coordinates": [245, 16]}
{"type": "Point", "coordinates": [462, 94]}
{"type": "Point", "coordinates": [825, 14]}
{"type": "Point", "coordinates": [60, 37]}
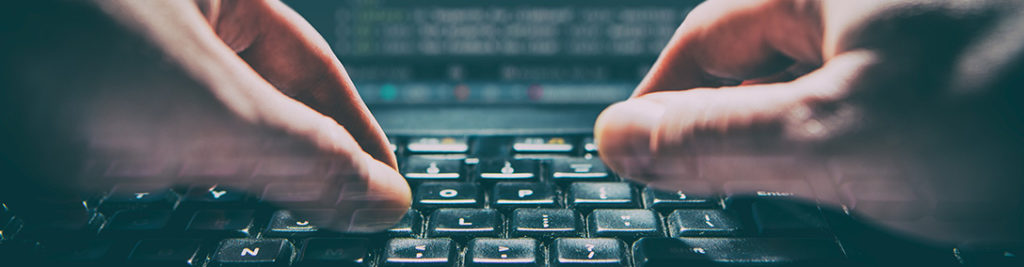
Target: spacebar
{"type": "Point", "coordinates": [650, 252]}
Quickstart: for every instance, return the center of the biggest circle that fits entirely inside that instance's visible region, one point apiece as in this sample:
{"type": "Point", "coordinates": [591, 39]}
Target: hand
{"type": "Point", "coordinates": [904, 112]}
{"type": "Point", "coordinates": [180, 83]}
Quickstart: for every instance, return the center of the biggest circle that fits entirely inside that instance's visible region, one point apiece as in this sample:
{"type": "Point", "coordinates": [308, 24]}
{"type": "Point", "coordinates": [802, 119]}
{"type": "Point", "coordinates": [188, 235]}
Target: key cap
{"type": "Point", "coordinates": [252, 252]}
{"type": "Point", "coordinates": [667, 200]}
{"type": "Point", "coordinates": [504, 170]}
{"type": "Point", "coordinates": [61, 224]}
{"type": "Point", "coordinates": [9, 228]}
{"type": "Point", "coordinates": [628, 224]}
{"type": "Point", "coordinates": [588, 252]}
{"type": "Point", "coordinates": [578, 169]}
{"type": "Point", "coordinates": [702, 223]}
{"type": "Point", "coordinates": [892, 200]}
{"type": "Point", "coordinates": [299, 194]}
{"type": "Point", "coordinates": [133, 196]}
{"type": "Point", "coordinates": [95, 252]}
{"type": "Point", "coordinates": [5, 214]}
{"type": "Point", "coordinates": [423, 168]}
{"type": "Point", "coordinates": [393, 145]}
{"type": "Point", "coordinates": [284, 224]}
{"type": "Point", "coordinates": [544, 223]}
{"type": "Point", "coordinates": [222, 223]}
{"type": "Point", "coordinates": [601, 195]}
{"type": "Point", "coordinates": [438, 145]}
{"type": "Point", "coordinates": [521, 195]}
{"type": "Point", "coordinates": [409, 225]}
{"type": "Point", "coordinates": [419, 252]}
{"type": "Point", "coordinates": [213, 196]}
{"type": "Point", "coordinates": [589, 145]}
{"type": "Point", "coordinates": [502, 252]}
{"type": "Point", "coordinates": [340, 252]}
{"type": "Point", "coordinates": [992, 255]}
{"type": "Point", "coordinates": [719, 251]}
{"type": "Point", "coordinates": [218, 169]}
{"type": "Point", "coordinates": [541, 145]}
{"type": "Point", "coordinates": [290, 168]}
{"type": "Point", "coordinates": [165, 253]}
{"type": "Point", "coordinates": [462, 223]}
{"type": "Point", "coordinates": [20, 252]}
{"type": "Point", "coordinates": [769, 189]}
{"type": "Point", "coordinates": [437, 194]}
{"type": "Point", "coordinates": [137, 222]}
{"type": "Point", "coordinates": [781, 218]}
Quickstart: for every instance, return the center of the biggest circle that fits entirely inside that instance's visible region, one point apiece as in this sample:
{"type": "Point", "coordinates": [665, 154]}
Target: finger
{"type": "Point", "coordinates": [286, 51]}
{"type": "Point", "coordinates": [245, 93]}
{"type": "Point", "coordinates": [730, 40]}
{"type": "Point", "coordinates": [654, 138]}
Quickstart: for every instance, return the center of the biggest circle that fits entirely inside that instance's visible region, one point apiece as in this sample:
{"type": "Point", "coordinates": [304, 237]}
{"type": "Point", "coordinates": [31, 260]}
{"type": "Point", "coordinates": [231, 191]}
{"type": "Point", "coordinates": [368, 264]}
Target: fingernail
{"type": "Point", "coordinates": [626, 133]}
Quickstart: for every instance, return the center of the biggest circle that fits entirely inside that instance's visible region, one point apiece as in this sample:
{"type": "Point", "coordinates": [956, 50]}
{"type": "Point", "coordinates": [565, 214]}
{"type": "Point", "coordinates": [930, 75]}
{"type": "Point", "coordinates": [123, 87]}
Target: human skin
{"type": "Point", "coordinates": [911, 104]}
{"type": "Point", "coordinates": [178, 82]}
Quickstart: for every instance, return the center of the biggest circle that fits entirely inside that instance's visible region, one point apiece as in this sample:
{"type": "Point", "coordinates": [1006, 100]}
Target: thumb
{"type": "Point", "coordinates": [656, 137]}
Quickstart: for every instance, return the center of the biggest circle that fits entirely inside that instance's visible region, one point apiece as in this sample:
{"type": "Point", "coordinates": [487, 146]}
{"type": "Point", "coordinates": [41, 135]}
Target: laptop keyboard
{"type": "Point", "coordinates": [477, 201]}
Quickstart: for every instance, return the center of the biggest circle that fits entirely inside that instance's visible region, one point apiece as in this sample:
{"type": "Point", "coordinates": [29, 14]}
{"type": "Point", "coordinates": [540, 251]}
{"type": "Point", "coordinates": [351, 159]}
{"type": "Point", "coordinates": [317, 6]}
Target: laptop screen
{"type": "Point", "coordinates": [465, 52]}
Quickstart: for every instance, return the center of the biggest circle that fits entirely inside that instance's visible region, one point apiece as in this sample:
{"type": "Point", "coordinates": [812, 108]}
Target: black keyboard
{"type": "Point", "coordinates": [477, 201]}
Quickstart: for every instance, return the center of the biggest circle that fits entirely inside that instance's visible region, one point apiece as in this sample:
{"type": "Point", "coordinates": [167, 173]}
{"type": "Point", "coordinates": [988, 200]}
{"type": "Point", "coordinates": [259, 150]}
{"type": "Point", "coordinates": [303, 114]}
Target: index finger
{"type": "Point", "coordinates": [737, 40]}
{"type": "Point", "coordinates": [289, 53]}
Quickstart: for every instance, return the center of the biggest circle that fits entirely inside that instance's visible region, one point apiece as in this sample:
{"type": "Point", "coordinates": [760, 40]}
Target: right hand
{"type": "Point", "coordinates": [911, 108]}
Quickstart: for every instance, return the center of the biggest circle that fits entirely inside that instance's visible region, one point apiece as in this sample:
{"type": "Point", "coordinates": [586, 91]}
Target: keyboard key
{"type": "Point", "coordinates": [1002, 254]}
{"type": "Point", "coordinates": [165, 252]}
{"type": "Point", "coordinates": [578, 169]}
{"type": "Point", "coordinates": [541, 145]}
{"type": "Point", "coordinates": [299, 194]}
{"type": "Point", "coordinates": [502, 252]}
{"type": "Point", "coordinates": [629, 224]}
{"type": "Point", "coordinates": [132, 196]}
{"type": "Point", "coordinates": [61, 224]}
{"type": "Point", "coordinates": [252, 252]}
{"type": "Point", "coordinates": [284, 224]}
{"type": "Point", "coordinates": [769, 189]}
{"type": "Point", "coordinates": [290, 168]}
{"type": "Point", "coordinates": [419, 252]}
{"type": "Point", "coordinates": [544, 223]}
{"type": "Point", "coordinates": [96, 252]}
{"type": "Point", "coordinates": [213, 196]}
{"type": "Point", "coordinates": [783, 218]}
{"type": "Point", "coordinates": [423, 168]}
{"type": "Point", "coordinates": [892, 200]}
{"type": "Point", "coordinates": [222, 223]}
{"type": "Point", "coordinates": [702, 223]}
{"type": "Point", "coordinates": [409, 225]}
{"type": "Point", "coordinates": [222, 169]}
{"type": "Point", "coordinates": [137, 222]}
{"type": "Point", "coordinates": [588, 252]}
{"type": "Point", "coordinates": [601, 195]}
{"type": "Point", "coordinates": [438, 145]}
{"type": "Point", "coordinates": [437, 195]}
{"type": "Point", "coordinates": [669, 200]}
{"type": "Point", "coordinates": [465, 223]}
{"type": "Point", "coordinates": [719, 251]}
{"type": "Point", "coordinates": [503, 170]}
{"type": "Point", "coordinates": [589, 145]}
{"type": "Point", "coordinates": [519, 195]}
{"type": "Point", "coordinates": [393, 145]}
{"type": "Point", "coordinates": [340, 252]}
